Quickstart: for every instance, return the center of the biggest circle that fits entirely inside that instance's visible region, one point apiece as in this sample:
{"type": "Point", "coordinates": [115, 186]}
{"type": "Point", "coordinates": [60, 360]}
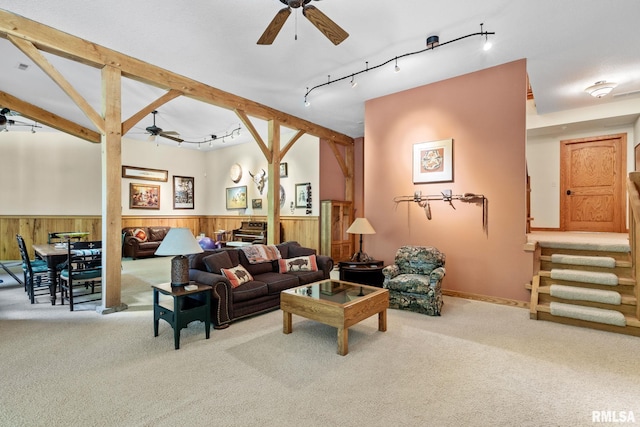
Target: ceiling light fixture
{"type": "Point", "coordinates": [396, 68]}
{"type": "Point", "coordinates": [353, 82]}
{"type": "Point", "coordinates": [432, 43]}
{"type": "Point", "coordinates": [600, 89]}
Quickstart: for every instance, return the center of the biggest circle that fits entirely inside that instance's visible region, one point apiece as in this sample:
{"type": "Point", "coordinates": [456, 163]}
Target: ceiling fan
{"type": "Point", "coordinates": [4, 121]}
{"type": "Point", "coordinates": [156, 131]}
{"type": "Point", "coordinates": [330, 29]}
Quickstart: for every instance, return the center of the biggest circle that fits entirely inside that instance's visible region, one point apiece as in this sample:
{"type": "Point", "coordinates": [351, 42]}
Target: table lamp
{"type": "Point", "coordinates": [177, 243]}
{"type": "Point", "coordinates": [361, 226]}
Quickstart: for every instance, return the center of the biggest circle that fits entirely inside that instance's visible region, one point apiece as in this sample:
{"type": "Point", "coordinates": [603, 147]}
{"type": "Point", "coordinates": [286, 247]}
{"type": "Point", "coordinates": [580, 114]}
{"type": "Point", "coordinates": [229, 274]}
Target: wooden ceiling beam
{"type": "Point", "coordinates": [67, 46]}
{"type": "Point", "coordinates": [46, 118]}
{"type": "Point", "coordinates": [34, 54]}
{"type": "Point", "coordinates": [128, 124]}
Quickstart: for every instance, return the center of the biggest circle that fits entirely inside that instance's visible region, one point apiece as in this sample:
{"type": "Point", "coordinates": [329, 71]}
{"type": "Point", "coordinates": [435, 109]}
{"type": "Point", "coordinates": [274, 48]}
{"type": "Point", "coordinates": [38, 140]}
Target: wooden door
{"type": "Point", "coordinates": [592, 191]}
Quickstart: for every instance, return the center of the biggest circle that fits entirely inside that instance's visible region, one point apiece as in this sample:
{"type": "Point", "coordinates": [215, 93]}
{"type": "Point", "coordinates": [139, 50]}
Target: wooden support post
{"type": "Point", "coordinates": [111, 192]}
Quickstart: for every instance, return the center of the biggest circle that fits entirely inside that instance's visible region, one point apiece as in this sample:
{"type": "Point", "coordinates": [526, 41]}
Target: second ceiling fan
{"type": "Point", "coordinates": [322, 22]}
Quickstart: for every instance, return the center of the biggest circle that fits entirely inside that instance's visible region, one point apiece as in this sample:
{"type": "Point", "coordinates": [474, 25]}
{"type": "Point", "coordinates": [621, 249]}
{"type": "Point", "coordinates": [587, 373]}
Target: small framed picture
{"type": "Point", "coordinates": [302, 194]}
{"type": "Point", "coordinates": [144, 196]}
{"type": "Point", "coordinates": [236, 197]}
{"type": "Point", "coordinates": [284, 170]}
{"type": "Point", "coordinates": [433, 161]}
{"type": "Point", "coordinates": [256, 203]}
{"type": "Point", "coordinates": [183, 192]}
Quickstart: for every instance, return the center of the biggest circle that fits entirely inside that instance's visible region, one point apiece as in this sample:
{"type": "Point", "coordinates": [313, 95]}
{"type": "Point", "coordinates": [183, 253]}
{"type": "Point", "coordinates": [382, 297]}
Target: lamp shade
{"type": "Point", "coordinates": [361, 226]}
{"type": "Point", "coordinates": [178, 241]}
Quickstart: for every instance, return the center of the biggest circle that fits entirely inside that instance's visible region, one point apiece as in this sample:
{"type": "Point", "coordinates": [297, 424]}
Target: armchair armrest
{"type": "Point", "coordinates": [435, 277]}
{"type": "Point", "coordinates": [390, 271]}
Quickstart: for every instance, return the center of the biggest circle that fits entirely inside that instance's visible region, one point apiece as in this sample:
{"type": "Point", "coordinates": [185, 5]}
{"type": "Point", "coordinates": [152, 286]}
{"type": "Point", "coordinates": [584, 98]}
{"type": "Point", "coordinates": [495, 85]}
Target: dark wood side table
{"type": "Point", "coordinates": [181, 310]}
{"type": "Point", "coordinates": [367, 273]}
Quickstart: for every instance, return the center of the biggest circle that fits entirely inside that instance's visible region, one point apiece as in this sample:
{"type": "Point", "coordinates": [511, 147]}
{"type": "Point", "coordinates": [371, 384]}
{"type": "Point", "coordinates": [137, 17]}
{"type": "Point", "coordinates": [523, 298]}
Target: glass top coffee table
{"type": "Point", "coordinates": [335, 303]}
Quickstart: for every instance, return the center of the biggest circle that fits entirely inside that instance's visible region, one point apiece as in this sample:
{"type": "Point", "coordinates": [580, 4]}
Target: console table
{"type": "Point", "coordinates": [367, 273]}
{"type": "Point", "coordinates": [181, 310]}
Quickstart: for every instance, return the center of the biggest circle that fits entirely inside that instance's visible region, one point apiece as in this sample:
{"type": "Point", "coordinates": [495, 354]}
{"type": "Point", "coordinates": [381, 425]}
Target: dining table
{"type": "Point", "coordinates": [53, 254]}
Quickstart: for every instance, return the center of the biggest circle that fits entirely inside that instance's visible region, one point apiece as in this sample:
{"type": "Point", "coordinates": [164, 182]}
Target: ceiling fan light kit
{"type": "Point", "coordinates": [600, 89]}
{"type": "Point", "coordinates": [433, 42]}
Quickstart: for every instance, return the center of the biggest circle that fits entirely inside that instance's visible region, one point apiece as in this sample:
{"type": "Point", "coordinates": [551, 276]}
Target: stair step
{"type": "Point", "coordinates": [624, 299]}
{"type": "Point", "coordinates": [590, 314]}
{"type": "Point", "coordinates": [621, 280]}
{"type": "Point", "coordinates": [631, 321]}
{"type": "Point", "coordinates": [618, 263]}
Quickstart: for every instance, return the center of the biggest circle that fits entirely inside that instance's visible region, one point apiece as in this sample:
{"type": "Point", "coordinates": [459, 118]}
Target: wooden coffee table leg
{"type": "Point", "coordinates": [343, 341]}
{"type": "Point", "coordinates": [382, 321]}
{"type": "Point", "coordinates": [286, 322]}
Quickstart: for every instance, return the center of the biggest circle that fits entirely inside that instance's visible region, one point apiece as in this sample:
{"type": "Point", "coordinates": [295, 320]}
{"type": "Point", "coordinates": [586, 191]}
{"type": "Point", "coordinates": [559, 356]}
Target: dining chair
{"type": "Point", "coordinates": [81, 279]}
{"type": "Point", "coordinates": [36, 276]}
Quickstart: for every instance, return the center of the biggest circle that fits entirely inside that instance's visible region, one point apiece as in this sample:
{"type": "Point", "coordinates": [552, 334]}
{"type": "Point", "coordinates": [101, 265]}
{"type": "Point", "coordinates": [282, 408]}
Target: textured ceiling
{"type": "Point", "coordinates": [568, 46]}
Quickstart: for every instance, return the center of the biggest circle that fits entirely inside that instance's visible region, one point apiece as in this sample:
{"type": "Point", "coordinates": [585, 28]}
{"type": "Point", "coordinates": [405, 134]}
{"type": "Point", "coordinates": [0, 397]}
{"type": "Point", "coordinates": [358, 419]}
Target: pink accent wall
{"type": "Point", "coordinates": [484, 113]}
{"type": "Point", "coordinates": [332, 182]}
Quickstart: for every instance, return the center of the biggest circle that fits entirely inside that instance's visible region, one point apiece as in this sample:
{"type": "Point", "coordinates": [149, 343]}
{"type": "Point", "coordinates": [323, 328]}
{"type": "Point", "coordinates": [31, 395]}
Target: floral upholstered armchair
{"type": "Point", "coordinates": [415, 279]}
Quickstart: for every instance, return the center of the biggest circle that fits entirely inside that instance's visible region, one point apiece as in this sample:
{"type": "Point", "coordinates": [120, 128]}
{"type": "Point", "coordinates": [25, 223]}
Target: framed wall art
{"type": "Point", "coordinates": [284, 170]}
{"type": "Point", "coordinates": [237, 197]}
{"type": "Point", "coordinates": [144, 196]}
{"type": "Point", "coordinates": [302, 194]}
{"type": "Point", "coordinates": [433, 161]}
{"type": "Point", "coordinates": [256, 203]}
{"type": "Point", "coordinates": [145, 173]}
{"type": "Point", "coordinates": [183, 191]}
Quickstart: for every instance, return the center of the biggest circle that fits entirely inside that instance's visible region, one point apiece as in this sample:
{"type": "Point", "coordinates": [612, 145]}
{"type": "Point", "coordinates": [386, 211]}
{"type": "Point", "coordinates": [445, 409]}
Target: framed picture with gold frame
{"type": "Point", "coordinates": [144, 196]}
{"type": "Point", "coordinates": [145, 173]}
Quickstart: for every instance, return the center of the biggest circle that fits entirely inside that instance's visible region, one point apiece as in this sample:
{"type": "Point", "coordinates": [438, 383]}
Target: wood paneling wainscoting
{"type": "Point", "coordinates": [35, 229]}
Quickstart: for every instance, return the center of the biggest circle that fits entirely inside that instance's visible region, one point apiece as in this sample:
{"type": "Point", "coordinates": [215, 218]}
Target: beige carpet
{"type": "Point", "coordinates": [479, 364]}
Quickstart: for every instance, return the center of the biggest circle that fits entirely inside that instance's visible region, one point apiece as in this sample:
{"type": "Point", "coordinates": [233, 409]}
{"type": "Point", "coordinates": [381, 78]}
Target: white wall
{"type": "Point", "coordinates": [48, 173]}
{"type": "Point", "coordinates": [543, 163]}
{"type": "Point", "coordinates": [303, 166]}
{"type": "Point", "coordinates": [51, 173]}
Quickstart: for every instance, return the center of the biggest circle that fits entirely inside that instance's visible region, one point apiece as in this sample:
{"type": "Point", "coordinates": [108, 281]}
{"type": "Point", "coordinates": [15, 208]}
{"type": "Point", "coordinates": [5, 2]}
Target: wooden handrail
{"type": "Point", "coordinates": [633, 183]}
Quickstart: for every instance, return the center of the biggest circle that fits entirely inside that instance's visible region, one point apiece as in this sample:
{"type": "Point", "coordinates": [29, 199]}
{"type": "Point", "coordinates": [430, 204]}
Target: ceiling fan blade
{"type": "Point", "coordinates": [170, 132]}
{"type": "Point", "coordinates": [165, 135]}
{"type": "Point", "coordinates": [326, 26]}
{"type": "Point", "coordinates": [274, 27]}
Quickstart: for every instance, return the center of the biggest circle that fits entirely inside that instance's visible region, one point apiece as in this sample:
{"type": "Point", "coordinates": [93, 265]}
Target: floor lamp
{"type": "Point", "coordinates": [361, 226]}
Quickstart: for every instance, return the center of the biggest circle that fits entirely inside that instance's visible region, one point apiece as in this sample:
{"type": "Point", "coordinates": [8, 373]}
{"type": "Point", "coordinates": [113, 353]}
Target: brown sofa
{"type": "Point", "coordinates": [259, 295]}
{"type": "Point", "coordinates": [140, 242]}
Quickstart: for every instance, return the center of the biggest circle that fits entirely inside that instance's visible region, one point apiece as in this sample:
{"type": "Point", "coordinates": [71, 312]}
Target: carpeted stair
{"type": "Point", "coordinates": [585, 285]}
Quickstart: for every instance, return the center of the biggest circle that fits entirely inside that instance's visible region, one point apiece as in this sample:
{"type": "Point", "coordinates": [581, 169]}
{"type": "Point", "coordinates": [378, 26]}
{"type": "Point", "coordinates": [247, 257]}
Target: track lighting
{"type": "Point", "coordinates": [433, 42]}
{"type": "Point", "coordinates": [487, 43]}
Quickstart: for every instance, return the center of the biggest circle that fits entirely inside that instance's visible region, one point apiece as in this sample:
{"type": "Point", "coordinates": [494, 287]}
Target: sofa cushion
{"type": "Point", "coordinates": [263, 267]}
{"type": "Point", "coordinates": [296, 251]}
{"type": "Point", "coordinates": [139, 234]}
{"type": "Point", "coordinates": [148, 246]}
{"type": "Point", "coordinates": [156, 234]}
{"type": "Point", "coordinates": [249, 290]}
{"type": "Point", "coordinates": [277, 282]}
{"type": "Point", "coordinates": [237, 275]}
{"type": "Point", "coordinates": [302, 263]}
{"type": "Point", "coordinates": [305, 277]}
{"type": "Point", "coordinates": [217, 261]}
